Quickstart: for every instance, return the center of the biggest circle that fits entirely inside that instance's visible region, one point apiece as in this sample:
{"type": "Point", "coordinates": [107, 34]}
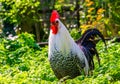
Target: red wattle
{"type": "Point", "coordinates": [54, 29]}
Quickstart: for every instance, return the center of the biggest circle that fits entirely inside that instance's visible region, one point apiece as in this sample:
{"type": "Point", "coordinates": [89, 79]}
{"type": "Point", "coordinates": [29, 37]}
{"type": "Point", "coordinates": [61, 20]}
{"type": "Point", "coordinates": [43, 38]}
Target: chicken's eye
{"type": "Point", "coordinates": [56, 22]}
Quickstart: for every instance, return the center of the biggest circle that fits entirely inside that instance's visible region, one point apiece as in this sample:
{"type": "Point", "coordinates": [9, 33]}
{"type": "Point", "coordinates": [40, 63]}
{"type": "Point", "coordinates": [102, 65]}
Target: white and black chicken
{"type": "Point", "coordinates": [69, 58]}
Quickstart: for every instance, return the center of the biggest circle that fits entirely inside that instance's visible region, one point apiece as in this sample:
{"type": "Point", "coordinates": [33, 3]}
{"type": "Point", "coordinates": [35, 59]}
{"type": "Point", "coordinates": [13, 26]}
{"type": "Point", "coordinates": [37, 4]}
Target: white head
{"type": "Point", "coordinates": [57, 27]}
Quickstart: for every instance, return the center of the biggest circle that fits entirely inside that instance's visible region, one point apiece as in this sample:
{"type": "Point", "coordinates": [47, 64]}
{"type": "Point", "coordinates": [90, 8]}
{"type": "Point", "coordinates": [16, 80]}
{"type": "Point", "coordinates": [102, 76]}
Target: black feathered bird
{"type": "Point", "coordinates": [88, 45]}
{"type": "Point", "coordinates": [69, 58]}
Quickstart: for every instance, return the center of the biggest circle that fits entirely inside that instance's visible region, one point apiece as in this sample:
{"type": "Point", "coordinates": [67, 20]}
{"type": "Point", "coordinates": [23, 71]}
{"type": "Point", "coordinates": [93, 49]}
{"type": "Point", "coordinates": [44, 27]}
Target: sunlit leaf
{"type": "Point", "coordinates": [90, 3]}
{"type": "Point", "coordinates": [100, 11]}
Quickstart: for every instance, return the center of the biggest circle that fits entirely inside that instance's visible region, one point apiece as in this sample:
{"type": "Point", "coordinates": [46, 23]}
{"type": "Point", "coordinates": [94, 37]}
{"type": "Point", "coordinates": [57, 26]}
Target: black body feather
{"type": "Point", "coordinates": [88, 45]}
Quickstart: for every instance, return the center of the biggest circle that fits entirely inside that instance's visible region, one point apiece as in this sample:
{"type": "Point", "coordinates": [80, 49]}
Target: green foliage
{"type": "Point", "coordinates": [20, 10]}
{"type": "Point", "coordinates": [75, 34]}
{"type": "Point", "coordinates": [92, 15]}
{"type": "Point", "coordinates": [17, 46]}
{"type": "Point", "coordinates": [24, 63]}
{"type": "Point", "coordinates": [60, 4]}
{"type": "Point", "coordinates": [115, 14]}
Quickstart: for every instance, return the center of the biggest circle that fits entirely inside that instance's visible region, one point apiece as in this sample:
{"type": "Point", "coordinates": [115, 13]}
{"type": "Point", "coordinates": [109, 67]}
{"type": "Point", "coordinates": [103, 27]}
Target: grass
{"type": "Point", "coordinates": [22, 62]}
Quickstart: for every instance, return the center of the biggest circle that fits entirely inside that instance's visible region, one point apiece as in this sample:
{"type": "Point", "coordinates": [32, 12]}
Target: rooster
{"type": "Point", "coordinates": [69, 58]}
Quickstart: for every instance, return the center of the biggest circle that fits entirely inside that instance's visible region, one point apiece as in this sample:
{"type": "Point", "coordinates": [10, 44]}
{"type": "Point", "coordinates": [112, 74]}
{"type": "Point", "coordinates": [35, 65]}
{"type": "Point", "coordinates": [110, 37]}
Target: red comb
{"type": "Point", "coordinates": [54, 16]}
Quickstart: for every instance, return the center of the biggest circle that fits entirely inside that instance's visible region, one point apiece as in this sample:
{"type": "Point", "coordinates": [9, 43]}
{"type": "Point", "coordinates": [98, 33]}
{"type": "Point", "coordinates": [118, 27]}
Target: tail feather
{"type": "Point", "coordinates": [90, 35]}
{"type": "Point", "coordinates": [88, 45]}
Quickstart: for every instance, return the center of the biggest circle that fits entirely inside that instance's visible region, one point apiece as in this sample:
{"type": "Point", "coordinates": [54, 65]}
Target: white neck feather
{"type": "Point", "coordinates": [61, 41]}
